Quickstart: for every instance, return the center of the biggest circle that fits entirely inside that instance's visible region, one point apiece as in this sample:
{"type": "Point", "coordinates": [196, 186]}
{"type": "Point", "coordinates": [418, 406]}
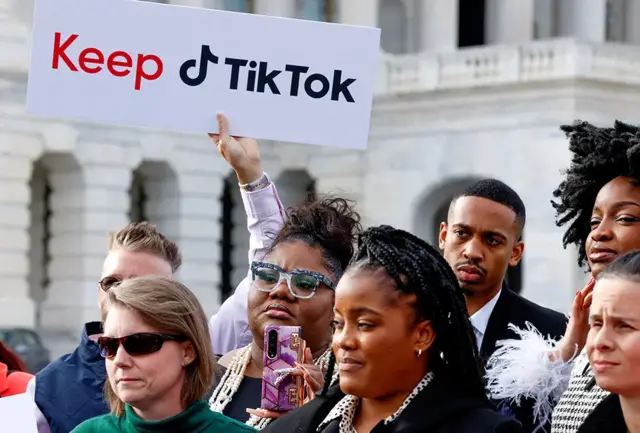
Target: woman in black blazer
{"type": "Point", "coordinates": [404, 348]}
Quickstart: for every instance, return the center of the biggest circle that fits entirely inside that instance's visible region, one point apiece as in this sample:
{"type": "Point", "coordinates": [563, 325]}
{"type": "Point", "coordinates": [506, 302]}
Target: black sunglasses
{"type": "Point", "coordinates": [143, 343]}
{"type": "Point", "coordinates": [108, 282]}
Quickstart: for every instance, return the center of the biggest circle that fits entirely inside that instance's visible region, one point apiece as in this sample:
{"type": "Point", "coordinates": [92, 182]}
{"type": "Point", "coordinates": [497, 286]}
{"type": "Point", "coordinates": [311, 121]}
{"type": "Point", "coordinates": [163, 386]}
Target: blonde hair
{"type": "Point", "coordinates": [171, 308]}
{"type": "Point", "coordinates": [145, 238]}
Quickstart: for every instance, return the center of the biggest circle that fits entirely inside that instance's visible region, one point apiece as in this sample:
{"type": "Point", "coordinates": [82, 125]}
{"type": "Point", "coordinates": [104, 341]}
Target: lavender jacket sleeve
{"type": "Point", "coordinates": [229, 327]}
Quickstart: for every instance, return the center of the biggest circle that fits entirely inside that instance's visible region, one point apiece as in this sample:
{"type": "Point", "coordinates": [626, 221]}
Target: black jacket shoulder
{"type": "Point", "coordinates": [520, 311]}
{"type": "Point", "coordinates": [606, 417]}
{"type": "Point", "coordinates": [484, 420]}
{"type": "Point", "coordinates": [437, 409]}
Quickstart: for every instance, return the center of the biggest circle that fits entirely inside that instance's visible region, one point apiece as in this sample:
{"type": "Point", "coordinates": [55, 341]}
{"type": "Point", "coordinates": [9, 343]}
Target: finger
{"type": "Point", "coordinates": [578, 301]}
{"type": "Point", "coordinates": [223, 127]}
{"type": "Point", "coordinates": [308, 368]}
{"type": "Point", "coordinates": [311, 378]}
{"type": "Point", "coordinates": [308, 357]}
{"type": "Point", "coordinates": [589, 287]}
{"type": "Point", "coordinates": [314, 380]}
{"type": "Point", "coordinates": [314, 384]}
{"type": "Point", "coordinates": [587, 301]}
{"type": "Point", "coordinates": [309, 394]}
{"type": "Point", "coordinates": [264, 413]}
{"type": "Point", "coordinates": [297, 372]}
{"type": "Point", "coordinates": [256, 412]}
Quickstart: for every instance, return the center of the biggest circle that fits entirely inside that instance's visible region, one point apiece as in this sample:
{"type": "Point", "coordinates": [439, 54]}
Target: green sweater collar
{"type": "Point", "coordinates": [193, 420]}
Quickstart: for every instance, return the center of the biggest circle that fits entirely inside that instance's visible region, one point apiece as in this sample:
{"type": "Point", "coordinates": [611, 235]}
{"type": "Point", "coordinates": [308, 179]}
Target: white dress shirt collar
{"type": "Point", "coordinates": [480, 318]}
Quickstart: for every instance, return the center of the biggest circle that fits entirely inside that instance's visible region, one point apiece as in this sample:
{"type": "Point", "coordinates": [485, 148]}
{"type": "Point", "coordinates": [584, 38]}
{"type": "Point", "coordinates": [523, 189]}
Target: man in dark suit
{"type": "Point", "coordinates": [481, 238]}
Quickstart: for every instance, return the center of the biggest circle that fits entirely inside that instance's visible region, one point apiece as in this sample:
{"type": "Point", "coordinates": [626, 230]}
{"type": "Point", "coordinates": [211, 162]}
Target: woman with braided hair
{"type": "Point", "coordinates": [403, 346]}
{"type": "Point", "coordinates": [599, 200]}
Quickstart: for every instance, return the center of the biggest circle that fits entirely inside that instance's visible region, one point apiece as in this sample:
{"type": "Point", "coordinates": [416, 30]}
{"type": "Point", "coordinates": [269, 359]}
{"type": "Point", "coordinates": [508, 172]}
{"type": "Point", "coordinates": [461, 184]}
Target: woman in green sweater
{"type": "Point", "coordinates": [159, 362]}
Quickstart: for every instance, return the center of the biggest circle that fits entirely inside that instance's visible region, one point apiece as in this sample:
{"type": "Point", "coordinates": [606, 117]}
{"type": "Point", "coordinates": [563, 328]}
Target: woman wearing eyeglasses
{"type": "Point", "coordinates": [158, 358]}
{"type": "Point", "coordinates": [293, 285]}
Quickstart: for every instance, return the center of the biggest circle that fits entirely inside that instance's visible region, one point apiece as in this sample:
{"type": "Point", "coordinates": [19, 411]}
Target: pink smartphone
{"type": "Point", "coordinates": [283, 347]}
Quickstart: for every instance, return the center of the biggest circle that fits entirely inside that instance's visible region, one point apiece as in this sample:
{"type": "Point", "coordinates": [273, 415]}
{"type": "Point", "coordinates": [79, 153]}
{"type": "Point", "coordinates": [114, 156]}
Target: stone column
{"type": "Point", "coordinates": [509, 22]}
{"type": "Point", "coordinates": [632, 18]}
{"type": "Point", "coordinates": [16, 305]}
{"type": "Point", "coordinates": [278, 8]}
{"type": "Point", "coordinates": [39, 236]}
{"type": "Point", "coordinates": [87, 202]}
{"type": "Point", "coordinates": [201, 174]}
{"type": "Point", "coordinates": [359, 12]}
{"type": "Point", "coordinates": [583, 19]}
{"type": "Point", "coordinates": [439, 25]}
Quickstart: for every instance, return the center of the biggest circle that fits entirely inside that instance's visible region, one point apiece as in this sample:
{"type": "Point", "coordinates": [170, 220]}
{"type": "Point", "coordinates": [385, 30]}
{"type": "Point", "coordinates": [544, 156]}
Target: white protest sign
{"type": "Point", "coordinates": [18, 414]}
{"type": "Point", "coordinates": [174, 67]}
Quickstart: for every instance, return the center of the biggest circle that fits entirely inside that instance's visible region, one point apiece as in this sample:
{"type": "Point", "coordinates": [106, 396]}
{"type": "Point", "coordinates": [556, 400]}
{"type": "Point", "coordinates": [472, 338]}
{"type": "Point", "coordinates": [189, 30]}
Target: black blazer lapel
{"type": "Point", "coordinates": [497, 327]}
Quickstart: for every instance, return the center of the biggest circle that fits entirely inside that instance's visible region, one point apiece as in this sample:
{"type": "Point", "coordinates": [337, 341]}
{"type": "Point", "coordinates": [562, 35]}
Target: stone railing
{"type": "Point", "coordinates": [495, 65]}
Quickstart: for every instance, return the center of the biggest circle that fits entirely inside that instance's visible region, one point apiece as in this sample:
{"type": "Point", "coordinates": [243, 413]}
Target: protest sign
{"type": "Point", "coordinates": [174, 67]}
{"type": "Point", "coordinates": [18, 414]}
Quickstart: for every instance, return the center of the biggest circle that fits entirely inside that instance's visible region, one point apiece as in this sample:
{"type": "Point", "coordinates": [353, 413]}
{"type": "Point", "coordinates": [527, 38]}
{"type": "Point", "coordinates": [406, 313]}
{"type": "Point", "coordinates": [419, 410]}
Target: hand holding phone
{"type": "Point", "coordinates": [284, 349]}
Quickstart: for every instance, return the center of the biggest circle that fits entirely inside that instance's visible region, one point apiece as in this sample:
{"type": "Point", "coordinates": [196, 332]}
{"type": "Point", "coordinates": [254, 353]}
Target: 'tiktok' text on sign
{"type": "Point", "coordinates": [244, 74]}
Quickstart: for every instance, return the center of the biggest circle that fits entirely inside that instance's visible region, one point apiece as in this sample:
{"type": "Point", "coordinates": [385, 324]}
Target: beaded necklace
{"type": "Point", "coordinates": [232, 378]}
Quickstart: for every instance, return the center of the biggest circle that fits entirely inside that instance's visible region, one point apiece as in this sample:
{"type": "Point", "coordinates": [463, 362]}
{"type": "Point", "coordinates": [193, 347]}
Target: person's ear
{"type": "Point", "coordinates": [442, 237]}
{"type": "Point", "coordinates": [516, 253]}
{"type": "Point", "coordinates": [425, 336]}
{"type": "Point", "coordinates": [189, 353]}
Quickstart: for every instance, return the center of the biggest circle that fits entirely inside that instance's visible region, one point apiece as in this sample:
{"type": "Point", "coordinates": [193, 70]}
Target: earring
{"type": "Point", "coordinates": [419, 353]}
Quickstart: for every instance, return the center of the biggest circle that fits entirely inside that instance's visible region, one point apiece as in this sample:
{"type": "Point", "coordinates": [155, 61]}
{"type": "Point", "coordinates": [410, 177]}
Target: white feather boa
{"type": "Point", "coordinates": [525, 368]}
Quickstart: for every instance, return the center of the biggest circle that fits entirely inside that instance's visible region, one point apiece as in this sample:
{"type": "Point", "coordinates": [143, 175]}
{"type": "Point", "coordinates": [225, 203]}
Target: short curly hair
{"type": "Point", "coordinates": [326, 222]}
{"type": "Point", "coordinates": [599, 156]}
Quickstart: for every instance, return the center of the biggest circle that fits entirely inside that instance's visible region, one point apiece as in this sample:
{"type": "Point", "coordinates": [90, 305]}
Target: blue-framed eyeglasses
{"type": "Point", "coordinates": [302, 284]}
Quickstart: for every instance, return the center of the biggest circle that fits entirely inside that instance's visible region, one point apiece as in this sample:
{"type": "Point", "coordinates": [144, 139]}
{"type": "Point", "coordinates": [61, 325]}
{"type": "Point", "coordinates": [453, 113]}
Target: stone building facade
{"type": "Point", "coordinates": [466, 89]}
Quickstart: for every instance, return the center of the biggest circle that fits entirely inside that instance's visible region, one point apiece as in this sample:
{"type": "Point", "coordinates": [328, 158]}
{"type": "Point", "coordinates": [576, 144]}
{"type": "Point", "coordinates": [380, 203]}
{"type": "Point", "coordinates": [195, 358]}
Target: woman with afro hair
{"type": "Point", "coordinates": [599, 202]}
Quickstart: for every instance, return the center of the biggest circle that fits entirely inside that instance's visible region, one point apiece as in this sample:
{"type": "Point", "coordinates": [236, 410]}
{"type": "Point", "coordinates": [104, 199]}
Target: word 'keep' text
{"type": "Point", "coordinates": [118, 63]}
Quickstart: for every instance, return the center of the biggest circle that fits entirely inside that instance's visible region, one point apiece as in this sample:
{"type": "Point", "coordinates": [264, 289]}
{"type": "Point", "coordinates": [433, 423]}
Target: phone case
{"type": "Point", "coordinates": [287, 394]}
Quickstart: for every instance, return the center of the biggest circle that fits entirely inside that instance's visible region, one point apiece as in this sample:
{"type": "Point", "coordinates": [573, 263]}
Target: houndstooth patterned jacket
{"type": "Point", "coordinates": [579, 400]}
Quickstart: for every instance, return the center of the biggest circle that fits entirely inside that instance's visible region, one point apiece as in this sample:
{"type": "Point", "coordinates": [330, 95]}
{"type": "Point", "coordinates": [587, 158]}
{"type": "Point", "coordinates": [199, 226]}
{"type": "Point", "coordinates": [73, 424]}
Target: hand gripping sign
{"type": "Point", "coordinates": [277, 78]}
